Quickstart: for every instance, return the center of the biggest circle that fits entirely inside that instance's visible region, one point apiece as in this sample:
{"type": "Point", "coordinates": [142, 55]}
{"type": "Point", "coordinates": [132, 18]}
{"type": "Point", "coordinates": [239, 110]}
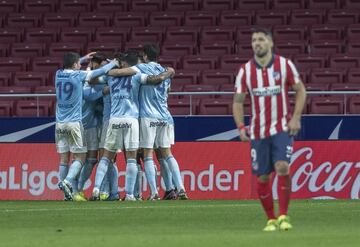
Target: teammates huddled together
{"type": "Point", "coordinates": [113, 106]}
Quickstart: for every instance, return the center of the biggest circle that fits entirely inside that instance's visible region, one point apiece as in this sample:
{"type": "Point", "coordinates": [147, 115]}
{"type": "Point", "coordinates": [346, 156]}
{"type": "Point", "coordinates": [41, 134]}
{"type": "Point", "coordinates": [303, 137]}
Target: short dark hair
{"type": "Point", "coordinates": [131, 57]}
{"type": "Point", "coordinates": [263, 30]}
{"type": "Point", "coordinates": [152, 51]}
{"type": "Point", "coordinates": [98, 57]}
{"type": "Point", "coordinates": [70, 58]}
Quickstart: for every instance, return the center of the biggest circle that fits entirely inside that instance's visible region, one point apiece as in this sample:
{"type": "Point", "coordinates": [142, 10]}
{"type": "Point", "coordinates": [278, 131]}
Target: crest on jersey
{"type": "Point", "coordinates": [276, 75]}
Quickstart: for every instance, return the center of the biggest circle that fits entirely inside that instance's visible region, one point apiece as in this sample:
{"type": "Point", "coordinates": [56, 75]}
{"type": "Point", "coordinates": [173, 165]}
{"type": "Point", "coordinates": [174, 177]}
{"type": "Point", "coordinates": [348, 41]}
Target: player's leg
{"type": "Point", "coordinates": [147, 139]}
{"type": "Point", "coordinates": [138, 182]}
{"type": "Point", "coordinates": [262, 168]}
{"type": "Point", "coordinates": [166, 176]}
{"type": "Point", "coordinates": [113, 183]}
{"type": "Point", "coordinates": [63, 149]}
{"type": "Point", "coordinates": [281, 153]}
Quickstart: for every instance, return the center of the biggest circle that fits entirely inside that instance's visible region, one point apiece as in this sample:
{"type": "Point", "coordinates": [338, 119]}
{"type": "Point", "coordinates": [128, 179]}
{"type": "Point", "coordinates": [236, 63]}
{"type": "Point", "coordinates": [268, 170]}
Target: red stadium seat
{"type": "Point", "coordinates": [327, 105]}
{"type": "Point", "coordinates": [317, 87]}
{"type": "Point", "coordinates": [4, 50]}
{"type": "Point", "coordinates": [271, 17]}
{"type": "Point", "coordinates": [217, 33]}
{"type": "Point", "coordinates": [252, 4]}
{"type": "Point", "coordinates": [174, 89]}
{"type": "Point", "coordinates": [169, 61]}
{"type": "Point", "coordinates": [11, 35]}
{"type": "Point", "coordinates": [201, 88]}
{"type": "Point", "coordinates": [185, 77]}
{"type": "Point", "coordinates": [289, 33]}
{"type": "Point", "coordinates": [201, 18]}
{"type": "Point", "coordinates": [304, 62]}
{"type": "Point", "coordinates": [354, 105]}
{"type": "Point", "coordinates": [130, 19]}
{"type": "Point", "coordinates": [345, 87]}
{"type": "Point", "coordinates": [353, 48]}
{"type": "Point", "coordinates": [232, 62]}
{"type": "Point", "coordinates": [166, 19]}
{"type": "Point", "coordinates": [107, 48]}
{"type": "Point", "coordinates": [13, 64]}
{"type": "Point", "coordinates": [304, 76]}
{"type": "Point", "coordinates": [217, 5]}
{"type": "Point", "coordinates": [23, 20]}
{"type": "Point", "coordinates": [12, 6]}
{"type": "Point", "coordinates": [57, 20]}
{"type": "Point", "coordinates": [227, 88]}
{"type": "Point", "coordinates": [59, 49]}
{"type": "Point", "coordinates": [15, 90]}
{"type": "Point", "coordinates": [326, 32]}
{"type": "Point", "coordinates": [183, 106]}
{"type": "Point", "coordinates": [147, 34]}
{"type": "Point", "coordinates": [199, 62]}
{"type": "Point", "coordinates": [76, 34]}
{"type": "Point", "coordinates": [111, 6]}
{"type": "Point", "coordinates": [244, 49]}
{"type": "Point", "coordinates": [344, 61]}
{"type": "Point", "coordinates": [6, 108]}
{"type": "Point", "coordinates": [325, 47]}
{"type": "Point", "coordinates": [31, 79]}
{"type": "Point", "coordinates": [41, 35]}
{"type": "Point", "coordinates": [343, 16]}
{"type": "Point", "coordinates": [183, 5]}
{"type": "Point", "coordinates": [219, 77]}
{"type": "Point", "coordinates": [112, 34]}
{"type": "Point", "coordinates": [180, 34]}
{"type": "Point", "coordinates": [47, 64]}
{"type": "Point", "coordinates": [5, 78]}
{"type": "Point", "coordinates": [178, 48]}
{"type": "Point", "coordinates": [351, 4]}
{"type": "Point", "coordinates": [288, 4]}
{"type": "Point", "coordinates": [326, 75]}
{"type": "Point", "coordinates": [306, 16]}
{"type": "Point", "coordinates": [94, 19]}
{"type": "Point", "coordinates": [243, 34]}
{"type": "Point", "coordinates": [291, 47]}
{"type": "Point", "coordinates": [45, 90]}
{"type": "Point", "coordinates": [215, 107]}
{"type": "Point", "coordinates": [76, 6]}
{"type": "Point", "coordinates": [323, 4]}
{"type": "Point", "coordinates": [2, 20]}
{"type": "Point", "coordinates": [235, 18]}
{"type": "Point", "coordinates": [217, 48]}
{"type": "Point", "coordinates": [353, 75]}
{"type": "Point", "coordinates": [353, 32]}
{"type": "Point", "coordinates": [27, 50]}
{"type": "Point", "coordinates": [146, 5]}
{"type": "Point", "coordinates": [32, 108]}
{"type": "Point", "coordinates": [36, 6]}
{"type": "Point", "coordinates": [134, 45]}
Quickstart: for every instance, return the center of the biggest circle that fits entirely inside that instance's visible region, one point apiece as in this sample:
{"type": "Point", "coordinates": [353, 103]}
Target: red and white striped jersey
{"type": "Point", "coordinates": [268, 88]}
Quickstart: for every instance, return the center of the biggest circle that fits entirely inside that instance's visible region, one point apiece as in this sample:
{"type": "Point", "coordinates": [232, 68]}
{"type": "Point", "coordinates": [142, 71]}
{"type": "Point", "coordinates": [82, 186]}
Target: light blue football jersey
{"type": "Point", "coordinates": [153, 99]}
{"type": "Point", "coordinates": [124, 93]}
{"type": "Point", "coordinates": [106, 100]}
{"type": "Point", "coordinates": [69, 92]}
{"type": "Point", "coordinates": [91, 94]}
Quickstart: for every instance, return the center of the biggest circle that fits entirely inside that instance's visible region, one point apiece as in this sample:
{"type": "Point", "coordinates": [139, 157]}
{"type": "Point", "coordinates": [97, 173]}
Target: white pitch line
{"type": "Point", "coordinates": [121, 207]}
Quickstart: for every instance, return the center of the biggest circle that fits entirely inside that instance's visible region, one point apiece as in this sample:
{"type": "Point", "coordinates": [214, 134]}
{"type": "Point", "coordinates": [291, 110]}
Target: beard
{"type": "Point", "coordinates": [261, 54]}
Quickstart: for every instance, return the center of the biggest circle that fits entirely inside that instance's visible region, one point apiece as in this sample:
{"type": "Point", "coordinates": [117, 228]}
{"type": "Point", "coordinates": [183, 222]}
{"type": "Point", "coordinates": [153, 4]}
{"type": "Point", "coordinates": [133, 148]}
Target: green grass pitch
{"type": "Point", "coordinates": [175, 223]}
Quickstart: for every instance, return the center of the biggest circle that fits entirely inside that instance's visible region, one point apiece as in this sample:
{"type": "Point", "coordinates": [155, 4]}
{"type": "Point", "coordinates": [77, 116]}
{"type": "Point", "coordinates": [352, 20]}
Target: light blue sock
{"type": "Point", "coordinates": [130, 178]}
{"type": "Point", "coordinates": [105, 185]}
{"type": "Point", "coordinates": [114, 180]}
{"type": "Point", "coordinates": [150, 174]}
{"type": "Point", "coordinates": [86, 172]}
{"type": "Point", "coordinates": [74, 171]}
{"type": "Point", "coordinates": [166, 175]}
{"type": "Point", "coordinates": [175, 171]}
{"type": "Point", "coordinates": [63, 171]}
{"type": "Point", "coordinates": [138, 182]}
{"type": "Point", "coordinates": [101, 172]}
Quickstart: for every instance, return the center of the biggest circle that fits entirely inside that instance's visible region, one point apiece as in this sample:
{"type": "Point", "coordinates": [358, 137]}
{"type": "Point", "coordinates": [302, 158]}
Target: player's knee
{"type": "Point", "coordinates": [92, 161]}
{"type": "Point", "coordinates": [166, 152]}
{"type": "Point", "coordinates": [263, 178]}
{"type": "Point", "coordinates": [282, 168]}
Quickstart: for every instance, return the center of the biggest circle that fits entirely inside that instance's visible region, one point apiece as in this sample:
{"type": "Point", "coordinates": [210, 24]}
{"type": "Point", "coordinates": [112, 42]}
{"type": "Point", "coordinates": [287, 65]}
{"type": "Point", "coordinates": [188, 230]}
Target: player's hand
{"type": "Point", "coordinates": [106, 90]}
{"type": "Point", "coordinates": [244, 136]}
{"type": "Point", "coordinates": [115, 61]}
{"type": "Point", "coordinates": [171, 70]}
{"type": "Point", "coordinates": [89, 55]}
{"type": "Point", "coordinates": [294, 126]}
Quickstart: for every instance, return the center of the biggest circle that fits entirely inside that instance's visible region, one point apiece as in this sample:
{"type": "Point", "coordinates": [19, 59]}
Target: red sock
{"type": "Point", "coordinates": [266, 198]}
{"type": "Point", "coordinates": [284, 190]}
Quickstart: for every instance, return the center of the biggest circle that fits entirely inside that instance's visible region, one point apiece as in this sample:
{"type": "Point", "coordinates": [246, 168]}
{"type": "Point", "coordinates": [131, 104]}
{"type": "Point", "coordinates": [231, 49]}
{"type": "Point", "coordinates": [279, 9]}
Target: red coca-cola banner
{"type": "Point", "coordinates": [211, 170]}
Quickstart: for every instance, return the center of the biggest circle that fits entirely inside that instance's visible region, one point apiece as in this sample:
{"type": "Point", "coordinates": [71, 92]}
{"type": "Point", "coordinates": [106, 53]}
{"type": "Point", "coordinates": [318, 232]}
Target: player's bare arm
{"type": "Point", "coordinates": [238, 114]}
{"type": "Point", "coordinates": [294, 124]}
{"type": "Point", "coordinates": [156, 79]}
{"type": "Point", "coordinates": [122, 72]}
